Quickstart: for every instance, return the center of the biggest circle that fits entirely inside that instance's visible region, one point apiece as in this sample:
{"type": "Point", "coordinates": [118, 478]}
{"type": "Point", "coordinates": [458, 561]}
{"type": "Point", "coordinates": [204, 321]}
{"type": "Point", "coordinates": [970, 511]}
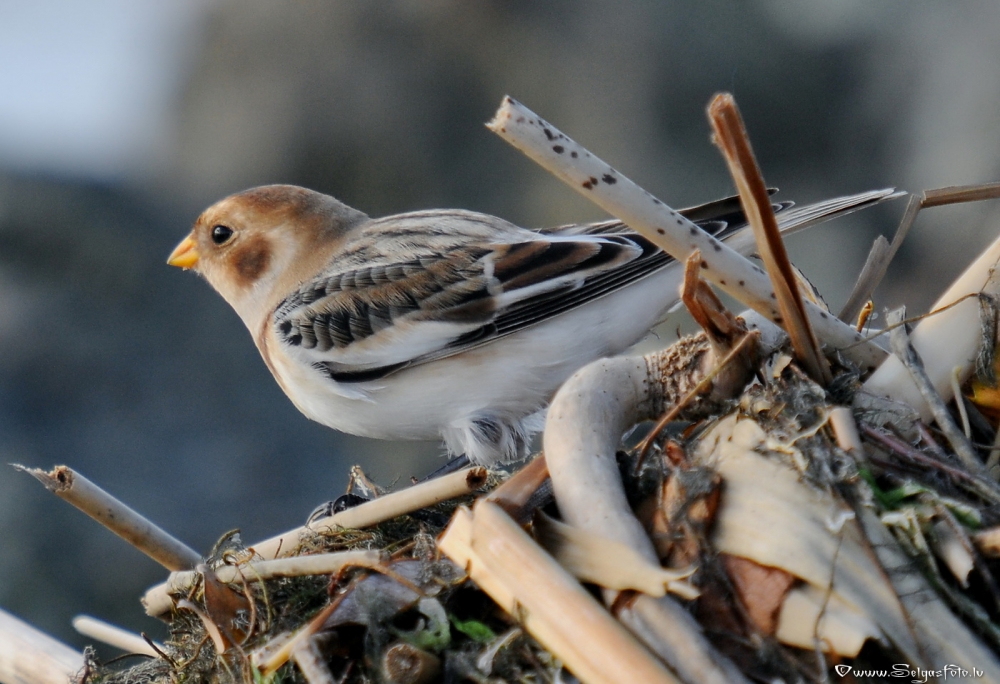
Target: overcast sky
{"type": "Point", "coordinates": [86, 88]}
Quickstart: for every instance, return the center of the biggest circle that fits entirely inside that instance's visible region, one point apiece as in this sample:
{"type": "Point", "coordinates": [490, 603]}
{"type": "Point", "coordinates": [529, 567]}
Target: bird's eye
{"type": "Point", "coordinates": [221, 234]}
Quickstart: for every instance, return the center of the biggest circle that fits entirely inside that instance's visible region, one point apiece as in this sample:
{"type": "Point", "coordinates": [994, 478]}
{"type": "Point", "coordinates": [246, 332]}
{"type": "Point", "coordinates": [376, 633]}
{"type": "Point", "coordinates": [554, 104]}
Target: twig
{"type": "Point", "coordinates": [877, 265]}
{"type": "Point", "coordinates": [386, 507]}
{"type": "Point", "coordinates": [158, 598]}
{"type": "Point", "coordinates": [731, 137]}
{"type": "Point", "coordinates": [153, 541]}
{"type": "Point", "coordinates": [904, 351]}
{"type": "Point", "coordinates": [115, 636]}
{"type": "Point", "coordinates": [868, 279]}
{"type": "Point", "coordinates": [666, 228]}
{"type": "Point", "coordinates": [928, 439]}
{"type": "Point", "coordinates": [29, 656]}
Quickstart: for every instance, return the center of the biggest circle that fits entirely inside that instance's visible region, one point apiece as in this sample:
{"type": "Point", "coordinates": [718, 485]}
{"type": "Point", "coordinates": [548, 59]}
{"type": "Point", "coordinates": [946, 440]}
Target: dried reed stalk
{"type": "Point", "coordinates": [152, 540]}
{"type": "Point", "coordinates": [386, 507]}
{"type": "Point", "coordinates": [551, 605]}
{"type": "Point", "coordinates": [28, 656]}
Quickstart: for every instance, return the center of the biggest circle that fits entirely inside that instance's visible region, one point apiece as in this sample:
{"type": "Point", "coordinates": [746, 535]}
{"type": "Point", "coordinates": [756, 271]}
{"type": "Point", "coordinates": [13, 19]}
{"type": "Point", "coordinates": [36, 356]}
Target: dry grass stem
{"type": "Point", "coordinates": [526, 582]}
{"type": "Point", "coordinates": [520, 494]}
{"type": "Point", "coordinates": [159, 599]}
{"type": "Point", "coordinates": [28, 656]}
{"type": "Point", "coordinates": [113, 635]}
{"type": "Point", "coordinates": [904, 351]}
{"type": "Point", "coordinates": [404, 663]}
{"type": "Point", "coordinates": [312, 663]}
{"type": "Point", "coordinates": [870, 276]}
{"type": "Point", "coordinates": [731, 137]}
{"type": "Point", "coordinates": [375, 511]}
{"type": "Point", "coordinates": [153, 541]}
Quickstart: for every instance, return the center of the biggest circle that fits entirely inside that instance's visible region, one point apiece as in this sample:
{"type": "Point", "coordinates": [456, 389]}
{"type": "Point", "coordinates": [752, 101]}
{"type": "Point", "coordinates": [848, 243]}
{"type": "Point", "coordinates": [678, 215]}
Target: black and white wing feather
{"type": "Point", "coordinates": [422, 286]}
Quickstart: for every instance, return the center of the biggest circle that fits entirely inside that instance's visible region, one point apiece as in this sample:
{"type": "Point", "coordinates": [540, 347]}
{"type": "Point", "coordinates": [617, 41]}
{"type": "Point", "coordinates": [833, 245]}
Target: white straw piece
{"type": "Point", "coordinates": [666, 228]}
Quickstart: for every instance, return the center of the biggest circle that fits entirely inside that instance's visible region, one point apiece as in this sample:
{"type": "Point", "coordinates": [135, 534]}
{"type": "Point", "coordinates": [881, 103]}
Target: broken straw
{"type": "Point", "coordinates": [667, 229]}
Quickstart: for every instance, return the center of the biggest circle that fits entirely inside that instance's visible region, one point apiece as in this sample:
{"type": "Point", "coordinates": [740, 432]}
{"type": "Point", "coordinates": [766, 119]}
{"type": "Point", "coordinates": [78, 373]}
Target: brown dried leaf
{"type": "Point", "coordinates": [761, 589]}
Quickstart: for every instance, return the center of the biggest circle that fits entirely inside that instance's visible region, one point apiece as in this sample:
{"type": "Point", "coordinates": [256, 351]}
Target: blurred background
{"type": "Point", "coordinates": [121, 119]}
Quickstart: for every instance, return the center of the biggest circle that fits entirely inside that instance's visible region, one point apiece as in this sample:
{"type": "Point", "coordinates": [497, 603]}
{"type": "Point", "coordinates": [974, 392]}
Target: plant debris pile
{"type": "Point", "coordinates": [415, 618]}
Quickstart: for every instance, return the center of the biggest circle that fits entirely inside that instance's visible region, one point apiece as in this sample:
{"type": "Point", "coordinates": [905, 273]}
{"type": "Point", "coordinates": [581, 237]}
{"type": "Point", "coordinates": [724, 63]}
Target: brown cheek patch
{"type": "Point", "coordinates": [250, 261]}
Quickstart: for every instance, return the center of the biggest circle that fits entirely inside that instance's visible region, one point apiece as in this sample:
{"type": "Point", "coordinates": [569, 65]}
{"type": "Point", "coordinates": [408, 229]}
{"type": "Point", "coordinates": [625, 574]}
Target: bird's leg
{"type": "Point", "coordinates": [359, 490]}
{"type": "Point", "coordinates": [455, 464]}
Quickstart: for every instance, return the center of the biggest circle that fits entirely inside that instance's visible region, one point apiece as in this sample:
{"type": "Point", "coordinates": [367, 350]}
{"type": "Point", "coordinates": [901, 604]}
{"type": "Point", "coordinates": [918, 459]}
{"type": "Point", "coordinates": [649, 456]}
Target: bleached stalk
{"type": "Point", "coordinates": [943, 340]}
{"type": "Point", "coordinates": [29, 656]}
{"type": "Point", "coordinates": [914, 365]}
{"type": "Point", "coordinates": [152, 540]}
{"type": "Point", "coordinates": [112, 635]}
{"type": "Point", "coordinates": [386, 507]}
{"type": "Point", "coordinates": [679, 237]}
{"type": "Point", "coordinates": [526, 582]}
{"type": "Point", "coordinates": [158, 598]}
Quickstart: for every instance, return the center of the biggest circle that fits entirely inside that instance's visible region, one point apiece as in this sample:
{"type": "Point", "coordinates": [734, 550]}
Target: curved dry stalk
{"type": "Point", "coordinates": [583, 430]}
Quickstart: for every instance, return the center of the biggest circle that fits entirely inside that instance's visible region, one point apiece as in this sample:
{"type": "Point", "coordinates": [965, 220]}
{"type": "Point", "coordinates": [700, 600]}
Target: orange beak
{"type": "Point", "coordinates": [185, 255]}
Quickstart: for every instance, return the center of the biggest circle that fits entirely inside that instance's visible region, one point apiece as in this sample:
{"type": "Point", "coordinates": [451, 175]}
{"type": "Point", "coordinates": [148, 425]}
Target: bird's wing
{"type": "Point", "coordinates": [422, 286]}
{"type": "Point", "coordinates": [432, 284]}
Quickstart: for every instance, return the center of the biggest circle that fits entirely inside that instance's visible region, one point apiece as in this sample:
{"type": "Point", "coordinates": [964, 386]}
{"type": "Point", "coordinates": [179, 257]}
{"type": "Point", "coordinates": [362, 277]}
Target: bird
{"type": "Point", "coordinates": [441, 324]}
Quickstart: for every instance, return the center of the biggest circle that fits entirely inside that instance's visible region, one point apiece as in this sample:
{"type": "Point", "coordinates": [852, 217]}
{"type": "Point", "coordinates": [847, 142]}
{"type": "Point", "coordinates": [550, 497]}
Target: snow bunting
{"type": "Point", "coordinates": [439, 324]}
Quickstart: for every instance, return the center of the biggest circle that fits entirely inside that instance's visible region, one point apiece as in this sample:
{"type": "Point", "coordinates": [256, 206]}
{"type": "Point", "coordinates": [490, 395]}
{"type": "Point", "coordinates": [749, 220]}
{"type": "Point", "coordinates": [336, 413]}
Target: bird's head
{"type": "Point", "coordinates": [259, 243]}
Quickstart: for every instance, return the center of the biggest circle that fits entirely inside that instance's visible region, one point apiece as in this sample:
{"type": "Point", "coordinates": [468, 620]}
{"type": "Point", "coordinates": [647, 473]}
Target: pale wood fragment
{"type": "Point", "coordinates": [29, 656]}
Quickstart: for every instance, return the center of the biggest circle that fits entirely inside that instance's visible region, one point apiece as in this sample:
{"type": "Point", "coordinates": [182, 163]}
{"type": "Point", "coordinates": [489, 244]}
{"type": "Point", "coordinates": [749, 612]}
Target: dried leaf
{"type": "Point", "coordinates": [761, 589]}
